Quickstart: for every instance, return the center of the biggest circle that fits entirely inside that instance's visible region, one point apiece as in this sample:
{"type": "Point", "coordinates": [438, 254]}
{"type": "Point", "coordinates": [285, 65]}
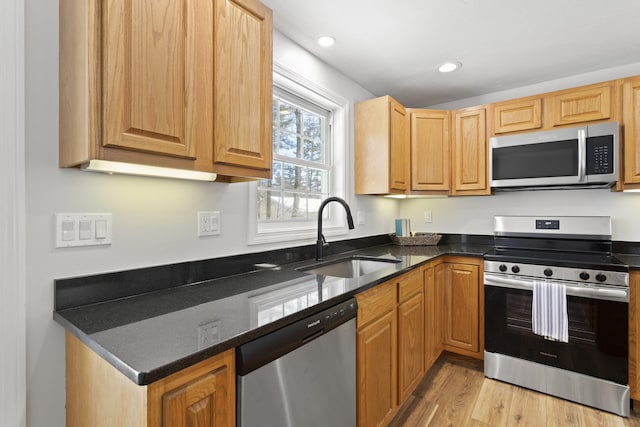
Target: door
{"type": "Point", "coordinates": [581, 105]}
{"type": "Point", "coordinates": [243, 87]}
{"type": "Point", "coordinates": [200, 403]}
{"type": "Point", "coordinates": [598, 333]}
{"type": "Point", "coordinates": [411, 333]}
{"type": "Point", "coordinates": [470, 152]}
{"type": "Point", "coordinates": [399, 148]}
{"type": "Point", "coordinates": [377, 371]}
{"type": "Point", "coordinates": [152, 96]}
{"type": "Point", "coordinates": [434, 280]}
{"type": "Point", "coordinates": [461, 306]}
{"type": "Point", "coordinates": [631, 109]}
{"type": "Point", "coordinates": [429, 131]}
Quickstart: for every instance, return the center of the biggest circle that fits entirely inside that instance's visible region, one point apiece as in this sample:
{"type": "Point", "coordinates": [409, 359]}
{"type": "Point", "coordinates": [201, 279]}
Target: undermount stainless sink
{"type": "Point", "coordinates": [350, 267]}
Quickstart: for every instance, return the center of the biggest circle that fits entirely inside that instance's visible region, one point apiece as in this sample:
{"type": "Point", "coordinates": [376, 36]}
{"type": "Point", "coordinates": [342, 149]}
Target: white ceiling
{"type": "Point", "coordinates": [393, 46]}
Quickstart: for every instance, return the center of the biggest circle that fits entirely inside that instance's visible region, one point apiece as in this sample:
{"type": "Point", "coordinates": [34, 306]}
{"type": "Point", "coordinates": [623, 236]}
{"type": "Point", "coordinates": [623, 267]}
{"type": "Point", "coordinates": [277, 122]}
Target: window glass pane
{"type": "Point", "coordinates": [289, 145]}
{"type": "Point", "coordinates": [313, 204]}
{"type": "Point", "coordinates": [276, 175]}
{"type": "Point", "coordinates": [294, 177]}
{"type": "Point", "coordinates": [318, 181]}
{"type": "Point", "coordinates": [294, 206]}
{"type": "Point", "coordinates": [289, 117]}
{"type": "Point", "coordinates": [312, 125]}
{"type": "Point", "coordinates": [269, 204]}
{"type": "Point", "coordinates": [313, 150]}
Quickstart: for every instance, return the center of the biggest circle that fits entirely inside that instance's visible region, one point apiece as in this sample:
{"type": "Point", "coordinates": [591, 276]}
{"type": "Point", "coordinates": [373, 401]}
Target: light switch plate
{"type": "Point", "coordinates": [83, 229]}
{"type": "Point", "coordinates": [428, 217]}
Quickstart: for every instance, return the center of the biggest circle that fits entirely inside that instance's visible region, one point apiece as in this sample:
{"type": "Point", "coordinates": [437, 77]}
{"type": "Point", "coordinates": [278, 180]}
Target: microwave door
{"type": "Point", "coordinates": [538, 159]}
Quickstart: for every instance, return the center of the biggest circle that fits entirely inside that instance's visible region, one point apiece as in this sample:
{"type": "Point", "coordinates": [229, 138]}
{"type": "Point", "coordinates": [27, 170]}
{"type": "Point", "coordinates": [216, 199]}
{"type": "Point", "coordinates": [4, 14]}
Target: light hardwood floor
{"type": "Point", "coordinates": [455, 393]}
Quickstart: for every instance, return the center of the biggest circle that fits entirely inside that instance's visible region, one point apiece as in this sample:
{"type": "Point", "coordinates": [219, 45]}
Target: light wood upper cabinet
{"type": "Point", "coordinates": [517, 115]}
{"type": "Point", "coordinates": [381, 147]}
{"type": "Point", "coordinates": [243, 88]}
{"type": "Point", "coordinates": [579, 105]}
{"type": "Point", "coordinates": [631, 120]}
{"type": "Point", "coordinates": [98, 395]}
{"type": "Point", "coordinates": [430, 155]}
{"type": "Point", "coordinates": [180, 84]}
{"type": "Point", "coordinates": [470, 152]}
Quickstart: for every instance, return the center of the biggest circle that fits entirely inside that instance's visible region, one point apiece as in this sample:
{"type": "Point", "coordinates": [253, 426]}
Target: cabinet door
{"type": "Point", "coordinates": [243, 88]}
{"type": "Point", "coordinates": [411, 345]}
{"type": "Point", "coordinates": [433, 299]}
{"type": "Point", "coordinates": [151, 51]}
{"type": "Point", "coordinates": [634, 331]}
{"type": "Point", "coordinates": [631, 111]}
{"type": "Point", "coordinates": [377, 371]}
{"type": "Point", "coordinates": [461, 307]}
{"type": "Point", "coordinates": [518, 115]}
{"type": "Point", "coordinates": [429, 135]}
{"type": "Point", "coordinates": [581, 105]}
{"type": "Point", "coordinates": [202, 403]}
{"type": "Point", "coordinates": [398, 148]}
{"type": "Point", "coordinates": [470, 152]}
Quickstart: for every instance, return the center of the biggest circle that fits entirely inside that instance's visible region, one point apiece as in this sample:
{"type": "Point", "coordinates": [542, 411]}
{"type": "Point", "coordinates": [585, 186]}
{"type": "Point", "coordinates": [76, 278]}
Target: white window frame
{"type": "Point", "coordinates": [335, 224]}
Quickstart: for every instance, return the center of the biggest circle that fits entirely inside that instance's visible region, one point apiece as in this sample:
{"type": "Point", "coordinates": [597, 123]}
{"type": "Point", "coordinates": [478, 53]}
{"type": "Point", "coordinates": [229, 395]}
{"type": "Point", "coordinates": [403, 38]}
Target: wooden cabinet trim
{"type": "Point", "coordinates": [634, 334]}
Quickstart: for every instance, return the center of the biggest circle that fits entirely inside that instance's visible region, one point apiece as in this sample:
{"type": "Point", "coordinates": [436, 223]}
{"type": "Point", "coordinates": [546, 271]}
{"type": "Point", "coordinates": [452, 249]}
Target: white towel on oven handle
{"type": "Point", "coordinates": [549, 310]}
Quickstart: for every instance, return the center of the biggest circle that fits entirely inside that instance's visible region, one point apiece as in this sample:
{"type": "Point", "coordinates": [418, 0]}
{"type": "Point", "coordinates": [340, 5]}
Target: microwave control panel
{"type": "Point", "coordinates": [600, 156]}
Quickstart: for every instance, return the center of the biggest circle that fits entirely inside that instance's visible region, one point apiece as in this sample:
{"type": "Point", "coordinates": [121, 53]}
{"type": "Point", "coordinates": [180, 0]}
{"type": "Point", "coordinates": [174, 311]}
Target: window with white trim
{"type": "Point", "coordinates": [309, 163]}
{"type": "Point", "coordinates": [301, 161]}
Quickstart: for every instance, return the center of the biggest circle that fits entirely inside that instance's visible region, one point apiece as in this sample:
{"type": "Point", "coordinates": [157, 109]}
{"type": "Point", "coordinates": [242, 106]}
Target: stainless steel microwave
{"type": "Point", "coordinates": [585, 156]}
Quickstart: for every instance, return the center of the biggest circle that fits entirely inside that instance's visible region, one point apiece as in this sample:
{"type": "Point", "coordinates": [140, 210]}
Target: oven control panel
{"type": "Point", "coordinates": [613, 278]}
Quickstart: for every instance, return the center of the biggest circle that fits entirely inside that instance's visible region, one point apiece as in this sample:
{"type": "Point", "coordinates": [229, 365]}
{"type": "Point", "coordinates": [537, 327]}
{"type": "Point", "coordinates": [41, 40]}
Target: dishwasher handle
{"type": "Point", "coordinates": [267, 348]}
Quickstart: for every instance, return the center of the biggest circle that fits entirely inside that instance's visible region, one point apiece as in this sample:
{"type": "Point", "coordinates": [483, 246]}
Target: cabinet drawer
{"type": "Point", "coordinates": [410, 285]}
{"type": "Point", "coordinates": [376, 302]}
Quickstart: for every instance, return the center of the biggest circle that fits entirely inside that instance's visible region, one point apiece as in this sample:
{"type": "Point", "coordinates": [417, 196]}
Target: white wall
{"type": "Point", "coordinates": [153, 219]}
{"type": "Point", "coordinates": [13, 394]}
{"type": "Point", "coordinates": [473, 214]}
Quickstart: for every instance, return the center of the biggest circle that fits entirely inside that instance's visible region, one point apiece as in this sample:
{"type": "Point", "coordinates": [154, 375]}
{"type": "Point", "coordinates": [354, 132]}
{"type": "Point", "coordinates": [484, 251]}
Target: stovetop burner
{"type": "Point", "coordinates": [594, 261]}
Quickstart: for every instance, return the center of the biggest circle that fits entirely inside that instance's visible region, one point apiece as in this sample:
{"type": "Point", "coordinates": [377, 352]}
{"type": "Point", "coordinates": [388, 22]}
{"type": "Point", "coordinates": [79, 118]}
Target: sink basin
{"type": "Point", "coordinates": [350, 267]}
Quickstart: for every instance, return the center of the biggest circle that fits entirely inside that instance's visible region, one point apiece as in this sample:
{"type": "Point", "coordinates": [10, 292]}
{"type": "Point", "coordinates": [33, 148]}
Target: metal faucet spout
{"type": "Point", "coordinates": [321, 241]}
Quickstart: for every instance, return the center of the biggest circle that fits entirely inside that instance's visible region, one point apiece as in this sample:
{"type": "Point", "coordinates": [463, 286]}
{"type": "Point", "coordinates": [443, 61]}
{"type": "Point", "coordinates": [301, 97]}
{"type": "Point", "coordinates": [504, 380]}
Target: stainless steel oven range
{"type": "Point", "coordinates": [558, 272]}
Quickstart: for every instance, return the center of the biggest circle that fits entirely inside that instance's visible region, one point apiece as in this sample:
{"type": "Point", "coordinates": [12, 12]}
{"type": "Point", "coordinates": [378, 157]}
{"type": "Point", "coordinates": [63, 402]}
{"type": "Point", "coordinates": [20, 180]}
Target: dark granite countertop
{"type": "Point", "coordinates": [150, 335]}
{"type": "Point", "coordinates": [152, 322]}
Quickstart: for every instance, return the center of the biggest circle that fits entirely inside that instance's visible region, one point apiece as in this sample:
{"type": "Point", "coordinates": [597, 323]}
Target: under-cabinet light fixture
{"type": "Point", "coordinates": [449, 66]}
{"type": "Point", "coordinates": [110, 167]}
{"type": "Point", "coordinates": [326, 41]}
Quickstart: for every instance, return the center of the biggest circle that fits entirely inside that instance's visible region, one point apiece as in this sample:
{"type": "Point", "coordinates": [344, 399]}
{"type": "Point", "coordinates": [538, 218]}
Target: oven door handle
{"type": "Point", "coordinates": [578, 291]}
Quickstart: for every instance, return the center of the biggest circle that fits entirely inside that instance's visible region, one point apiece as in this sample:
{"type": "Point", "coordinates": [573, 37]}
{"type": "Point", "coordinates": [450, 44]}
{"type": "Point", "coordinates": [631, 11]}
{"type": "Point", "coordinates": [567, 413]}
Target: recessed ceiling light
{"type": "Point", "coordinates": [326, 41]}
{"type": "Point", "coordinates": [447, 67]}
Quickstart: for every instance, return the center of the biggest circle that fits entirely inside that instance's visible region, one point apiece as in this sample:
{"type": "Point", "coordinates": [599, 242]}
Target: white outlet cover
{"type": "Point", "coordinates": [208, 223]}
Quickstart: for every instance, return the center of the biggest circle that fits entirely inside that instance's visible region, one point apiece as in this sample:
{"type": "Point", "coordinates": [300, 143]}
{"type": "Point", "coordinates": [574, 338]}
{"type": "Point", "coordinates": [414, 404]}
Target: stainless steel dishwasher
{"type": "Point", "coordinates": [302, 375]}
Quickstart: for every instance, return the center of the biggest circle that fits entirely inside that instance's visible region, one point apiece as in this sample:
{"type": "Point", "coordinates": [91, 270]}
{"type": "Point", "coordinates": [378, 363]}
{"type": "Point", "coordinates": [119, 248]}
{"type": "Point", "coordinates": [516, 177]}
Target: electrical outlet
{"type": "Point", "coordinates": [208, 334]}
{"type": "Point", "coordinates": [360, 217]}
{"type": "Point", "coordinates": [208, 223]}
{"type": "Point", "coordinates": [427, 216]}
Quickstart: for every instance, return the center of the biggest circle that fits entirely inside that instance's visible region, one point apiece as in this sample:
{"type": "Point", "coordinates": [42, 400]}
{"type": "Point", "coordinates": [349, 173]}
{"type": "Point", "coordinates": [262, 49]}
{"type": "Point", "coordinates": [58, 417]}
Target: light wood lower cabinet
{"type": "Point", "coordinates": [463, 324]}
{"type": "Point", "coordinates": [434, 298]}
{"type": "Point", "coordinates": [377, 355]}
{"type": "Point", "coordinates": [202, 395]}
{"type": "Point", "coordinates": [411, 333]}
